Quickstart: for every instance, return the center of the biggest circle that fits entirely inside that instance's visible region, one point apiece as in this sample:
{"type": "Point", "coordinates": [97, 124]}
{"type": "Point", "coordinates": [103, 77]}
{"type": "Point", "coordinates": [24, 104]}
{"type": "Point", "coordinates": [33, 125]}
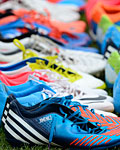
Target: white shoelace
{"type": "Point", "coordinates": [60, 86]}
{"type": "Point", "coordinates": [65, 88]}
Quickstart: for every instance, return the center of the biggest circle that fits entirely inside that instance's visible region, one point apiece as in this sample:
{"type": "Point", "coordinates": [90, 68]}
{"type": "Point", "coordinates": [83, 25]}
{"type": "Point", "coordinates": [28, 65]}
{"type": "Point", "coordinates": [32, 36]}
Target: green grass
{"type": "Point", "coordinates": [4, 145]}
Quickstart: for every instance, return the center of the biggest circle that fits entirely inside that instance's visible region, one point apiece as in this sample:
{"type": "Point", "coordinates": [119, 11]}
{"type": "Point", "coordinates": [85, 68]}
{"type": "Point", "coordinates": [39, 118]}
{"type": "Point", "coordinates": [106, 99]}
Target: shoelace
{"type": "Point", "coordinates": [41, 64]}
{"type": "Point", "coordinates": [76, 117]}
{"type": "Point", "coordinates": [53, 85]}
{"type": "Point", "coordinates": [27, 53]}
{"type": "Point", "coordinates": [63, 87]}
{"type": "Point", "coordinates": [66, 72]}
{"type": "Point", "coordinates": [52, 75]}
{"type": "Point", "coordinates": [66, 101]}
{"type": "Point", "coordinates": [36, 79]}
{"type": "Point", "coordinates": [60, 85]}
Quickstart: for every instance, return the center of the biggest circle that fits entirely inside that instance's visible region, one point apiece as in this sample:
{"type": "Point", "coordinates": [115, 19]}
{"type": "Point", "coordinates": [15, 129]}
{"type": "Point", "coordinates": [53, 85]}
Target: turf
{"type": "Point", "coordinates": [4, 145]}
